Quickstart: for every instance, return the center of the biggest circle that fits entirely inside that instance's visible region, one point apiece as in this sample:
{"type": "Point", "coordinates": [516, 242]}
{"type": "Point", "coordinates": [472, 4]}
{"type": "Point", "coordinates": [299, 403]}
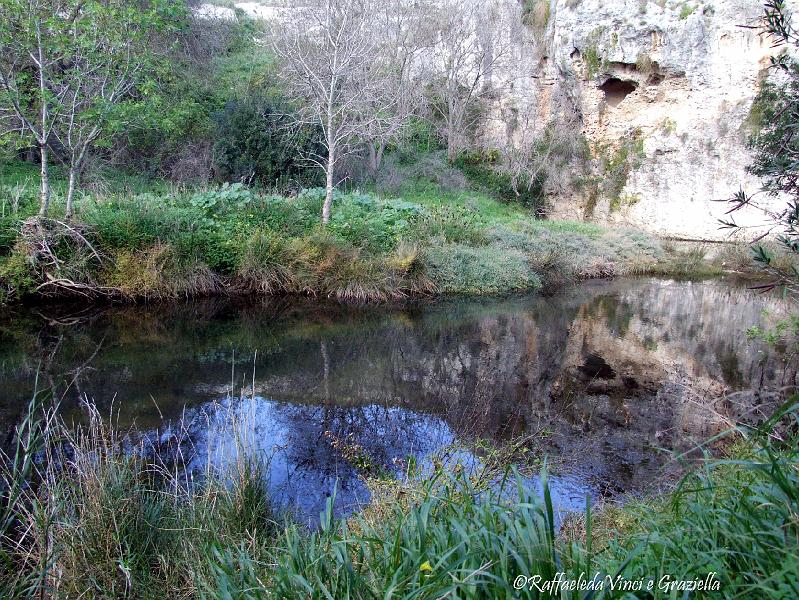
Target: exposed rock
{"type": "Point", "coordinates": [679, 77]}
{"type": "Point", "coordinates": [212, 11]}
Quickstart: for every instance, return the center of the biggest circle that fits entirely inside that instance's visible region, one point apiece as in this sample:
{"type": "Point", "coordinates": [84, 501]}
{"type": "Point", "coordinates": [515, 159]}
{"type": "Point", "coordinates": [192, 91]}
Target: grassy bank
{"type": "Point", "coordinates": [137, 239]}
{"type": "Point", "coordinates": [99, 521]}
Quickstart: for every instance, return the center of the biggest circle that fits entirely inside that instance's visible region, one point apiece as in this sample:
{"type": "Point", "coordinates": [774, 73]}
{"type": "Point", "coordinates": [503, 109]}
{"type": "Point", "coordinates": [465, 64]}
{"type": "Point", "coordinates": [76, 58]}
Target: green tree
{"type": "Point", "coordinates": [68, 67]}
{"type": "Point", "coordinates": [776, 149]}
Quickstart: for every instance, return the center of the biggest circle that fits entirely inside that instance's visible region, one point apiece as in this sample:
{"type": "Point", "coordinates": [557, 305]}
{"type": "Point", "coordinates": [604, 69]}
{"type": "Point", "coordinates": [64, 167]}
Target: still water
{"type": "Point", "coordinates": [608, 379]}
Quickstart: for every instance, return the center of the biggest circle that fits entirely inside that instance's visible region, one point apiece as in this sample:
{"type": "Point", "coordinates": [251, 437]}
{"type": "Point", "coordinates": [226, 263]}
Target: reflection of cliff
{"type": "Point", "coordinates": [611, 374]}
{"type": "Point", "coordinates": [604, 373]}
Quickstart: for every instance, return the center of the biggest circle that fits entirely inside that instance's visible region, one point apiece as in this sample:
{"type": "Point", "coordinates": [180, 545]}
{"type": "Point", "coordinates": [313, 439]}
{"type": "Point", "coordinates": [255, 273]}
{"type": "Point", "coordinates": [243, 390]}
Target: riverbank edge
{"type": "Point", "coordinates": [689, 264]}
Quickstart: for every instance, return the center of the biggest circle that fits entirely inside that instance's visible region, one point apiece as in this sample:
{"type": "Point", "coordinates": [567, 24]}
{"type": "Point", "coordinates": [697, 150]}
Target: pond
{"type": "Point", "coordinates": [606, 378]}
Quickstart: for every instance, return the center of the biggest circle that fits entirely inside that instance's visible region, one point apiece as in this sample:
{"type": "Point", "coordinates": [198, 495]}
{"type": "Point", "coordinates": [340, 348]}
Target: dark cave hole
{"type": "Point", "coordinates": [616, 90]}
{"type": "Point", "coordinates": [596, 367]}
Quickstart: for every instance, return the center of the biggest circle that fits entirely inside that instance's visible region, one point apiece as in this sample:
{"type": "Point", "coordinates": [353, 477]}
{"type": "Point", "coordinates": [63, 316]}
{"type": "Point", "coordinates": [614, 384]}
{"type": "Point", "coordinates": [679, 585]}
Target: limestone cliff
{"type": "Point", "coordinates": [662, 91]}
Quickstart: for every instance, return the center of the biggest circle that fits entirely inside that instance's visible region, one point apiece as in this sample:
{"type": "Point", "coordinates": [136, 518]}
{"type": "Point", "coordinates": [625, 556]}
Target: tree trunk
{"type": "Point", "coordinates": [372, 158]}
{"type": "Point", "coordinates": [45, 183]}
{"type": "Point", "coordinates": [325, 369]}
{"type": "Point", "coordinates": [376, 156]}
{"type": "Point", "coordinates": [380, 149]}
{"type": "Point", "coordinates": [44, 134]}
{"type": "Point", "coordinates": [452, 146]}
{"type": "Point", "coordinates": [331, 156]}
{"type": "Point", "coordinates": [73, 181]}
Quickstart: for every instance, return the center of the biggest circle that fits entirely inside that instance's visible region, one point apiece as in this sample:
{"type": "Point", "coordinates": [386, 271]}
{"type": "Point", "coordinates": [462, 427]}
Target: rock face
{"type": "Point", "coordinates": [662, 91]}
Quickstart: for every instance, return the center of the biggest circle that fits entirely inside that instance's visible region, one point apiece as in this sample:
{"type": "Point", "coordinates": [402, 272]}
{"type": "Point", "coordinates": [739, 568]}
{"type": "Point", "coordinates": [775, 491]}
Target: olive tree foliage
{"type": "Point", "coordinates": [776, 149]}
{"type": "Point", "coordinates": [331, 65]}
{"type": "Point", "coordinates": [471, 62]}
{"type": "Point", "coordinates": [66, 69]}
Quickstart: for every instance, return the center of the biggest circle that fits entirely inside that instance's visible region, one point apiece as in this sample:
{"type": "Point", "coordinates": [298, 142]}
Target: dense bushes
{"type": "Point", "coordinates": [460, 269]}
{"type": "Point", "coordinates": [482, 167]}
{"type": "Point", "coordinates": [255, 142]}
{"type": "Point", "coordinates": [238, 239]}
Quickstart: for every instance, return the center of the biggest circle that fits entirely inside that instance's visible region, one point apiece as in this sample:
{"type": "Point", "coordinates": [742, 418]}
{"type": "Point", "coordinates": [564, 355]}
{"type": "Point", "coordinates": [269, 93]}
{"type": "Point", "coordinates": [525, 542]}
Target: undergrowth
{"type": "Point", "coordinates": [131, 243]}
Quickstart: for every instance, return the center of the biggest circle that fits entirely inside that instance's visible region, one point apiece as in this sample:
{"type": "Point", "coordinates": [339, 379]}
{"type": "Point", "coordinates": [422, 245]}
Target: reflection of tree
{"type": "Point", "coordinates": [298, 443]}
{"type": "Point", "coordinates": [384, 433]}
{"type": "Point", "coordinates": [486, 369]}
{"type": "Point", "coordinates": [51, 358]}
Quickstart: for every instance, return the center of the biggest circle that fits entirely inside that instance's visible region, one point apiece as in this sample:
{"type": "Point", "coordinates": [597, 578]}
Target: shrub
{"type": "Point", "coordinates": [549, 256]}
{"type": "Point", "coordinates": [483, 168]}
{"type": "Point", "coordinates": [460, 269]}
{"type": "Point", "coordinates": [288, 216]}
{"type": "Point", "coordinates": [451, 223]}
{"type": "Point", "coordinates": [191, 225]}
{"type": "Point", "coordinates": [397, 174]}
{"type": "Point", "coordinates": [617, 163]}
{"type": "Point", "coordinates": [18, 202]}
{"type": "Point", "coordinates": [17, 276]}
{"type": "Point", "coordinates": [255, 143]}
{"type": "Point", "coordinates": [226, 198]}
{"type": "Point", "coordinates": [270, 264]}
{"type": "Point", "coordinates": [419, 138]}
{"type": "Point", "coordinates": [58, 257]}
{"type": "Point", "coordinates": [686, 10]}
{"type": "Point", "coordinates": [141, 221]}
{"type": "Point", "coordinates": [535, 14]}
{"type": "Point", "coordinates": [373, 224]}
{"type": "Point", "coordinates": [160, 271]}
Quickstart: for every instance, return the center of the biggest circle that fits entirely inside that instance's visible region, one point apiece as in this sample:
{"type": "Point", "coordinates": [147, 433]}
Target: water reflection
{"type": "Point", "coordinates": [603, 377]}
{"type": "Point", "coordinates": [310, 451]}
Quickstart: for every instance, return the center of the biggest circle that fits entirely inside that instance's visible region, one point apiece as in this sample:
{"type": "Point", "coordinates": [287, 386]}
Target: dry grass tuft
{"type": "Point", "coordinates": [159, 272]}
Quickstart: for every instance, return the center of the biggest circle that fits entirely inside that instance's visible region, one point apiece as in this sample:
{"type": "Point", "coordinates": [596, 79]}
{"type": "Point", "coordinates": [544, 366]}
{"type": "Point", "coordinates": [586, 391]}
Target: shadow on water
{"type": "Point", "coordinates": [604, 377]}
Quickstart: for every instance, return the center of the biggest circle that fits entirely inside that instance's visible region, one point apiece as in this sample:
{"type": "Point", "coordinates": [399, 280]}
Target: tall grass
{"type": "Point", "coordinates": [99, 515]}
{"type": "Point", "coordinates": [450, 541]}
{"type": "Point", "coordinates": [736, 516]}
{"type": "Point", "coordinates": [94, 512]}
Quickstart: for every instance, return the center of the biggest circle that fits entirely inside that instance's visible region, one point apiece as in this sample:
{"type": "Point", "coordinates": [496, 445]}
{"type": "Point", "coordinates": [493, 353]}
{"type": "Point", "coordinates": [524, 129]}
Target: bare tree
{"type": "Point", "coordinates": [406, 32]}
{"type": "Point", "coordinates": [84, 56]}
{"type": "Point", "coordinates": [330, 53]}
{"type": "Point", "coordinates": [470, 62]}
{"type": "Point", "coordinates": [548, 157]}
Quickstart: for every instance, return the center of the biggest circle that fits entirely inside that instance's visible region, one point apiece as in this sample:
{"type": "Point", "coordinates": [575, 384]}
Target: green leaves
{"type": "Point", "coordinates": [226, 198]}
{"type": "Point", "coordinates": [69, 66]}
{"type": "Point", "coordinates": [773, 122]}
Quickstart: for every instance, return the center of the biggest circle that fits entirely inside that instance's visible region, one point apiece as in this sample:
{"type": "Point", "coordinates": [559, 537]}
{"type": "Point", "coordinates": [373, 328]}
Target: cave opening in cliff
{"type": "Point", "coordinates": [616, 90]}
